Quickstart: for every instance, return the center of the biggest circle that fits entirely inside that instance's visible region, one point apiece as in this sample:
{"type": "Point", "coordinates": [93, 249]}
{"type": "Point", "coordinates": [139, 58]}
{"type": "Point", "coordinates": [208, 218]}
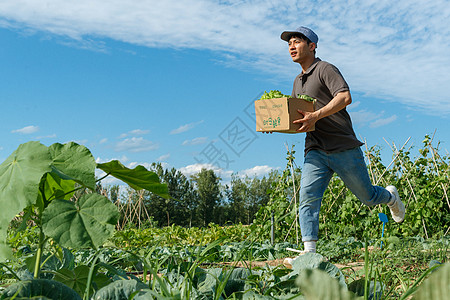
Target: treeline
{"type": "Point", "coordinates": [195, 201]}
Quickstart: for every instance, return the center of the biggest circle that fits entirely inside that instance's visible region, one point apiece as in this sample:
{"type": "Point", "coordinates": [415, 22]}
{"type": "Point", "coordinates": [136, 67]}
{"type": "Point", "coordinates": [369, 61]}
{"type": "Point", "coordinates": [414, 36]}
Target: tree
{"type": "Point", "coordinates": [208, 190]}
{"type": "Point", "coordinates": [184, 198]}
{"type": "Point", "coordinates": [181, 207]}
{"type": "Point", "coordinates": [237, 195]}
{"type": "Point", "coordinates": [259, 193]}
{"type": "Point", "coordinates": [247, 195]}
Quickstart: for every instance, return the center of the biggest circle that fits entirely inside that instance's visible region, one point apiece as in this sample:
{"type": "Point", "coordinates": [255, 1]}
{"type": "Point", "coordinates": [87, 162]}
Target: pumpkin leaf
{"type": "Point", "coordinates": [20, 176]}
{"type": "Point", "coordinates": [74, 162]}
{"type": "Point", "coordinates": [89, 222]}
{"type": "Point", "coordinates": [138, 178]}
{"type": "Point", "coordinates": [55, 187]}
{"type": "Point", "coordinates": [39, 288]}
{"type": "Point", "coordinates": [316, 261]}
{"type": "Point", "coordinates": [317, 284]}
{"type": "Point", "coordinates": [120, 289]}
{"type": "Point", "coordinates": [77, 279]}
{"type": "Point", "coordinates": [437, 286]}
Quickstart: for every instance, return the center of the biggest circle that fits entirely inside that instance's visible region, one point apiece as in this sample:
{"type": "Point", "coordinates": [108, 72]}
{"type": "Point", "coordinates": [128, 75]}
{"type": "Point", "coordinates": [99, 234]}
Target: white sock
{"type": "Point", "coordinates": [310, 246]}
{"type": "Point", "coordinates": [391, 201]}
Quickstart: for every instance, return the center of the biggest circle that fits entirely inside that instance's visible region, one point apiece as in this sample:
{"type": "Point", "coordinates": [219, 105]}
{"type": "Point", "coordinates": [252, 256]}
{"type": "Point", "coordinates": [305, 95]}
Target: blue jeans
{"type": "Point", "coordinates": [317, 171]}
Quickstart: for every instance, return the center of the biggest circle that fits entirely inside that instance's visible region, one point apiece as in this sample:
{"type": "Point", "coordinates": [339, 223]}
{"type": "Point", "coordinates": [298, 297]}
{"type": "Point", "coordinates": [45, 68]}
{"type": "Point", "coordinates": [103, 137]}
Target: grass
{"type": "Point", "coordinates": [400, 266]}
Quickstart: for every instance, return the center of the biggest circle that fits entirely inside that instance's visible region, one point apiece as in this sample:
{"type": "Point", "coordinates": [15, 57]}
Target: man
{"type": "Point", "coordinates": [332, 147]}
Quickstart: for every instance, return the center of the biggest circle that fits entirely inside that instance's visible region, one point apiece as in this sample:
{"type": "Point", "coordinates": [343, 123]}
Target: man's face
{"type": "Point", "coordinates": [300, 50]}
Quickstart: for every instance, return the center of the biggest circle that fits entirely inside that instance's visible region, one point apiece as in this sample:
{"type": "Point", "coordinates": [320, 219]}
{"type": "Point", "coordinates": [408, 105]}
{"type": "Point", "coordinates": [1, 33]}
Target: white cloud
{"type": "Point", "coordinates": [186, 127]}
{"type": "Point", "coordinates": [135, 144]}
{"type": "Point", "coordinates": [123, 159]}
{"type": "Point", "coordinates": [383, 121]}
{"type": "Point", "coordinates": [135, 132]}
{"type": "Point", "coordinates": [371, 119]}
{"type": "Point", "coordinates": [50, 136]}
{"type": "Point", "coordinates": [256, 171]}
{"type": "Point", "coordinates": [195, 168]}
{"type": "Point", "coordinates": [163, 157]}
{"type": "Point", "coordinates": [354, 106]}
{"type": "Point", "coordinates": [26, 130]}
{"type": "Point", "coordinates": [395, 50]}
{"type": "Point", "coordinates": [164, 165]}
{"type": "Point", "coordinates": [195, 141]}
{"type": "Point", "coordinates": [362, 117]}
{"type": "Point", "coordinates": [103, 141]}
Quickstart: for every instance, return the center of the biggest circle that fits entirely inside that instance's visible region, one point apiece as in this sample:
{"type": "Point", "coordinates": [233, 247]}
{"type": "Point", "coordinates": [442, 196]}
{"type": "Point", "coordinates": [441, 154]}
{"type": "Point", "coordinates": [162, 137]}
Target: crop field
{"type": "Point", "coordinates": [64, 236]}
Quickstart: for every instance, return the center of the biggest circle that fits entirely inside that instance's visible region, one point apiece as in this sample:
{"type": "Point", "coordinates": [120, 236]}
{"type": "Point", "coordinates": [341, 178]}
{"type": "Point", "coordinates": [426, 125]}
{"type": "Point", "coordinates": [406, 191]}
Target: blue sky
{"type": "Point", "coordinates": [173, 81]}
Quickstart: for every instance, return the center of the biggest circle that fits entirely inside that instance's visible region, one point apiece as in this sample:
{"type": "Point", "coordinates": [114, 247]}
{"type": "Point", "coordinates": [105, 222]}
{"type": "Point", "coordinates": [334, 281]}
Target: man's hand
{"type": "Point", "coordinates": [308, 120]}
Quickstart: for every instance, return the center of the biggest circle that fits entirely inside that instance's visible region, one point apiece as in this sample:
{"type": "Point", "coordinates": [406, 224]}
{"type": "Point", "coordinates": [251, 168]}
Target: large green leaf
{"type": "Point", "coordinates": [316, 261]}
{"type": "Point", "coordinates": [49, 289]}
{"type": "Point", "coordinates": [51, 262]}
{"type": "Point", "coordinates": [138, 178]}
{"type": "Point", "coordinates": [77, 279]}
{"type": "Point", "coordinates": [74, 162]}
{"type": "Point", "coordinates": [208, 281]}
{"type": "Point", "coordinates": [57, 188]}
{"type": "Point", "coordinates": [120, 289]}
{"type": "Point", "coordinates": [437, 286]}
{"type": "Point", "coordinates": [318, 285]}
{"type": "Point", "coordinates": [89, 222]}
{"type": "Point", "coordinates": [375, 288]}
{"type": "Point", "coordinates": [20, 175]}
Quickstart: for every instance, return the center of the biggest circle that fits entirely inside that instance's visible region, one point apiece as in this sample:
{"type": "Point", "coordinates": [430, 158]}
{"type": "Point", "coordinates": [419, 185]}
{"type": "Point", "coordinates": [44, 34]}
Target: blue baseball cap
{"type": "Point", "coordinates": [286, 35]}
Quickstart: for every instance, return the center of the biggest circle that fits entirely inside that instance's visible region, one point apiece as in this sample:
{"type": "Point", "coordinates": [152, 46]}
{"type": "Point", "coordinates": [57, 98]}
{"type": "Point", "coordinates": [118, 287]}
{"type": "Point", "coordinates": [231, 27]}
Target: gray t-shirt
{"type": "Point", "coordinates": [334, 133]}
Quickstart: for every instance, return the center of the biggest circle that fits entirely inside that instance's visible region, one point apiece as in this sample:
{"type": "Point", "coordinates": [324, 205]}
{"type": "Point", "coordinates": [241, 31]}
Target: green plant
{"type": "Point", "coordinates": [47, 289]}
{"type": "Point", "coordinates": [436, 286]}
{"type": "Point", "coordinates": [423, 185]}
{"type": "Point", "coordinates": [281, 211]}
{"type": "Point", "coordinates": [40, 181]}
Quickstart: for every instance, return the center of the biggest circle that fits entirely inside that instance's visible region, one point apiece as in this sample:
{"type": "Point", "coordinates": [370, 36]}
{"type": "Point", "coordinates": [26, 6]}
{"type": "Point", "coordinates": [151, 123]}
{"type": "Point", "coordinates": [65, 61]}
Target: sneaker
{"type": "Point", "coordinates": [397, 208]}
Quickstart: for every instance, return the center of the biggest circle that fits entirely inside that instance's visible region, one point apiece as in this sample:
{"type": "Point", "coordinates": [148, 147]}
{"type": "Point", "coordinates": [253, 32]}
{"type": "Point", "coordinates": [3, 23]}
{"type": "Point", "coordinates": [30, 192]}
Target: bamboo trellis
{"type": "Point", "coordinates": [377, 176]}
{"type": "Point", "coordinates": [131, 208]}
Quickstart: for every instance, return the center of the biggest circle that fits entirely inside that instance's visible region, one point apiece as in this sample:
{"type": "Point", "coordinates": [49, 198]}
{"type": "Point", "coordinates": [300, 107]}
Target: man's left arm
{"type": "Point", "coordinates": [340, 101]}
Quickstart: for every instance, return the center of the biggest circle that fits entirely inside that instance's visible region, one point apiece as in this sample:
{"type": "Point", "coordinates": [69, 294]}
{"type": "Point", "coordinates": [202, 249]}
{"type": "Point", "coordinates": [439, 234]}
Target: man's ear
{"type": "Point", "coordinates": [312, 46]}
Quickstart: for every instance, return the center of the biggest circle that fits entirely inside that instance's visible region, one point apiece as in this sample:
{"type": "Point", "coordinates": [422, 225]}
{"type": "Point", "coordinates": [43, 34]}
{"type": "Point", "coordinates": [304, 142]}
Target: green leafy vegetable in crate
{"type": "Point", "coordinates": [273, 94]}
{"type": "Point", "coordinates": [306, 98]}
{"type": "Point", "coordinates": [277, 94]}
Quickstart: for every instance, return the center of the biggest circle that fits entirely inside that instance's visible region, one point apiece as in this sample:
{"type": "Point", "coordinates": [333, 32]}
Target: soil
{"type": "Point", "coordinates": [279, 262]}
{"type": "Point", "coordinates": [253, 264]}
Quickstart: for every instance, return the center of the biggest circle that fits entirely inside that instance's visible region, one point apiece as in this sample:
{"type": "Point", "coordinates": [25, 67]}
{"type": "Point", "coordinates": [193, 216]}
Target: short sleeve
{"type": "Point", "coordinates": [333, 80]}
